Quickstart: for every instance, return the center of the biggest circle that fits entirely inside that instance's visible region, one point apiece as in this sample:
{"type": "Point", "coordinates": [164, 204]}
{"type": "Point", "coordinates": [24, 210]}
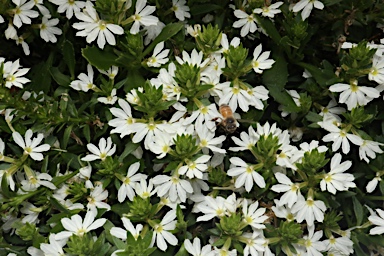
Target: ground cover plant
{"type": "Point", "coordinates": [150, 127]}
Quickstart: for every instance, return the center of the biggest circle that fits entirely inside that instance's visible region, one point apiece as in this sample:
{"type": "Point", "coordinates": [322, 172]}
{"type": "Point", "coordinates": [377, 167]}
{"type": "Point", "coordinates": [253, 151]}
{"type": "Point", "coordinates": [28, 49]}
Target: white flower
{"type": "Point", "coordinates": [142, 16]}
{"type": "Point", "coordinates": [260, 60]}
{"type": "Point", "coordinates": [369, 148]}
{"type": "Point", "coordinates": [254, 243]}
{"type": "Point", "coordinates": [158, 57]}
{"type": "Point", "coordinates": [130, 182]}
{"type": "Point", "coordinates": [253, 216]}
{"type": "Point", "coordinates": [12, 73]}
{"type": "Point", "coordinates": [282, 212]}
{"type": "Point", "coordinates": [40, 179]}
{"type": "Point", "coordinates": [307, 6]}
{"type": "Point", "coordinates": [312, 244]}
{"type": "Point", "coordinates": [194, 30]}
{"type": "Point", "coordinates": [111, 72]}
{"type": "Point", "coordinates": [122, 233]}
{"type": "Point", "coordinates": [30, 145]}
{"type": "Point", "coordinates": [235, 42]}
{"type": "Point", "coordinates": [269, 10]}
{"type": "Point", "coordinates": [77, 226]}
{"type": "Point", "coordinates": [309, 210]}
{"type": "Point", "coordinates": [208, 141]}
{"type": "Point", "coordinates": [258, 93]}
{"type": "Point", "coordinates": [92, 27]}
{"type": "Point", "coordinates": [43, 10]}
{"type": "Point", "coordinates": [246, 141]}
{"type": "Point", "coordinates": [235, 96]}
{"type": "Point", "coordinates": [245, 174]}
{"type": "Point", "coordinates": [373, 183]}
{"type": "Point", "coordinates": [246, 21]}
{"type": "Point", "coordinates": [54, 248]}
{"type": "Point", "coordinates": [195, 168]}
{"type": "Point", "coordinates": [31, 213]}
{"type": "Point", "coordinates": [124, 120]}
{"type": "Point", "coordinates": [173, 187]}
{"type": "Point", "coordinates": [23, 13]}
{"type": "Point", "coordinates": [292, 190]}
{"type": "Point", "coordinates": [196, 59]}
{"type": "Point", "coordinates": [96, 198]}
{"type": "Point", "coordinates": [340, 138]}
{"type": "Point", "coordinates": [332, 111]}
{"type": "Point", "coordinates": [195, 249]}
{"type": "Point", "coordinates": [24, 45]}
{"type": "Point", "coordinates": [339, 246]}
{"type": "Point", "coordinates": [85, 81]}
{"type": "Point", "coordinates": [68, 6]}
{"type": "Point", "coordinates": [2, 147]}
{"type": "Point", "coordinates": [8, 175]}
{"type": "Point", "coordinates": [110, 100]}
{"type": "Point", "coordinates": [205, 114]}
{"type": "Point", "coordinates": [48, 31]}
{"type": "Point", "coordinates": [161, 231]}
{"type": "Point", "coordinates": [181, 9]}
{"type": "Point", "coordinates": [211, 207]}
{"type": "Point", "coordinates": [1, 19]}
{"type": "Point", "coordinates": [143, 190]}
{"type": "Point", "coordinates": [152, 31]}
{"type": "Point", "coordinates": [336, 179]}
{"type": "Point", "coordinates": [377, 70]}
{"type": "Point", "coordinates": [354, 95]}
{"type": "Point", "coordinates": [378, 221]}
{"type": "Point", "coordinates": [105, 149]}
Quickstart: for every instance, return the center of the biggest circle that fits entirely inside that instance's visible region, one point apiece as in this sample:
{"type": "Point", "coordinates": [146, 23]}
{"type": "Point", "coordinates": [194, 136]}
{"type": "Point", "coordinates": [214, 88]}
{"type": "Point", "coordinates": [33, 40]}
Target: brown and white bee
{"type": "Point", "coordinates": [228, 122]}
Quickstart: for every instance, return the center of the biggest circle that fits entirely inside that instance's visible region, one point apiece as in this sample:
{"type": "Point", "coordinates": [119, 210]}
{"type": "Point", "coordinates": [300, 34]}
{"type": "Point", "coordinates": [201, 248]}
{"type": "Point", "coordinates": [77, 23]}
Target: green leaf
{"type": "Point", "coordinates": [270, 29]}
{"type": "Point", "coordinates": [359, 212]}
{"type": "Point", "coordinates": [57, 205]}
{"type": "Point", "coordinates": [67, 134]}
{"type": "Point", "coordinates": [99, 58]}
{"type": "Point", "coordinates": [129, 148]}
{"type": "Point", "coordinates": [69, 57]}
{"type": "Point", "coordinates": [204, 8]}
{"type": "Point", "coordinates": [59, 77]}
{"type": "Point", "coordinates": [168, 31]}
{"type": "Point", "coordinates": [324, 77]}
{"type": "Point", "coordinates": [275, 80]}
{"type": "Point", "coordinates": [87, 133]}
{"type": "Point", "coordinates": [41, 81]}
{"type": "Point", "coordinates": [60, 179]}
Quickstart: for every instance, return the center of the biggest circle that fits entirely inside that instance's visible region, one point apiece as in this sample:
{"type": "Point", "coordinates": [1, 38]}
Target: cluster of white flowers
{"type": "Point", "coordinates": [184, 184]}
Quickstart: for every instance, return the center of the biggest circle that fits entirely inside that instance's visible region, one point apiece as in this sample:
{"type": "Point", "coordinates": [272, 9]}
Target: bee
{"type": "Point", "coordinates": [229, 122]}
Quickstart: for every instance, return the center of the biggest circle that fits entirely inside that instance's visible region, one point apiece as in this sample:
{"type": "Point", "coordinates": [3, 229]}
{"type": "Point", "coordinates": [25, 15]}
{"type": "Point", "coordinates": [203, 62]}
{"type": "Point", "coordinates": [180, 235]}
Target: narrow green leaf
{"type": "Point", "coordinates": [59, 77]}
{"type": "Point", "coordinates": [99, 58]}
{"type": "Point", "coordinates": [359, 212]}
{"type": "Point", "coordinates": [57, 205]}
{"type": "Point", "coordinates": [129, 148]}
{"type": "Point", "coordinates": [270, 28]}
{"type": "Point", "coordinates": [324, 77]}
{"type": "Point", "coordinates": [168, 31]}
{"type": "Point", "coordinates": [60, 179]}
{"type": "Point", "coordinates": [87, 133]}
{"type": "Point", "coordinates": [67, 134]}
{"type": "Point", "coordinates": [69, 57]}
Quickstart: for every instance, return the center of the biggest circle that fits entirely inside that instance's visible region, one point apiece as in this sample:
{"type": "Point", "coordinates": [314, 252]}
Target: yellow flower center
{"type": "Point", "coordinates": [310, 202]}
{"type": "Point", "coordinates": [127, 180]}
{"type": "Point", "coordinates": [249, 169]}
{"type": "Point", "coordinates": [102, 25]}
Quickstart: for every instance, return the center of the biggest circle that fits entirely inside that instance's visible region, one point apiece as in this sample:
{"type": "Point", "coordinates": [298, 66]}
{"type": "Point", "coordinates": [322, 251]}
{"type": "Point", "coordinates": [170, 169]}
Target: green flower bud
{"type": "Point", "coordinates": [312, 162]}
{"type": "Point", "coordinates": [27, 231]}
{"type": "Point", "coordinates": [358, 61]}
{"type": "Point", "coordinates": [218, 177]}
{"type": "Point", "coordinates": [139, 209]}
{"type": "Point", "coordinates": [237, 63]}
{"type": "Point", "coordinates": [265, 150]}
{"type": "Point", "coordinates": [188, 78]}
{"type": "Point", "coordinates": [185, 146]}
{"type": "Point", "coordinates": [80, 245]}
{"type": "Point", "coordinates": [231, 225]}
{"type": "Point", "coordinates": [208, 40]}
{"type": "Point", "coordinates": [289, 232]}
